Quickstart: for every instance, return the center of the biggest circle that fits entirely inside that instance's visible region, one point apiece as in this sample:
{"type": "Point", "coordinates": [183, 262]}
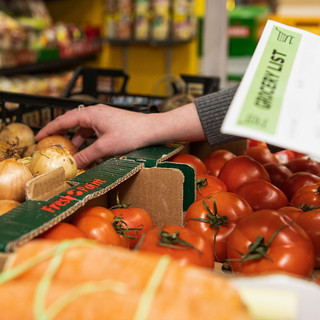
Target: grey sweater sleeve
{"type": "Point", "coordinates": [212, 109]}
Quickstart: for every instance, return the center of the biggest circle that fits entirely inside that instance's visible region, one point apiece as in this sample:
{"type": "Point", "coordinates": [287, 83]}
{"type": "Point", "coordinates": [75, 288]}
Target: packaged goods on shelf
{"type": "Point", "coordinates": [184, 19]}
{"type": "Point", "coordinates": [119, 19]}
{"type": "Point", "coordinates": [110, 19]}
{"type": "Point", "coordinates": [28, 35]}
{"type": "Point", "coordinates": [142, 20]}
{"type": "Point", "coordinates": [43, 84]}
{"type": "Point", "coordinates": [160, 27]}
{"type": "Point", "coordinates": [150, 20]}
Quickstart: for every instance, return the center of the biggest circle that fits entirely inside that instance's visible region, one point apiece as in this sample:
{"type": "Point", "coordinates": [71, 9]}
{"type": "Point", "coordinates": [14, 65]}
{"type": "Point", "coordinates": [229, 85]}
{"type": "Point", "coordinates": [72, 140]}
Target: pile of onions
{"type": "Point", "coordinates": [57, 140]}
{"type": "Point", "coordinates": [17, 134]}
{"type": "Point", "coordinates": [50, 158]}
{"type": "Point", "coordinates": [13, 178]}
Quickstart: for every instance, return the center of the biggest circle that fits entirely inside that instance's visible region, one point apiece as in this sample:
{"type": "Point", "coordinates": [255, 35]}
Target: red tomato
{"type": "Point", "coordinates": [308, 218]}
{"type": "Point", "coordinates": [261, 154]}
{"type": "Point", "coordinates": [137, 220]}
{"type": "Point", "coordinates": [309, 194]}
{"type": "Point", "coordinates": [192, 160]}
{"type": "Point", "coordinates": [284, 156]}
{"type": "Point", "coordinates": [240, 170]}
{"type": "Point", "coordinates": [298, 180]}
{"type": "Point", "coordinates": [62, 231]}
{"type": "Point", "coordinates": [262, 194]}
{"type": "Point", "coordinates": [278, 173]}
{"type": "Point", "coordinates": [183, 244]}
{"type": "Point", "coordinates": [98, 223]}
{"type": "Point", "coordinates": [207, 185]}
{"type": "Point", "coordinates": [272, 242]}
{"type": "Point", "coordinates": [96, 211]}
{"type": "Point", "coordinates": [304, 165]}
{"type": "Point", "coordinates": [253, 143]}
{"type": "Point", "coordinates": [216, 160]}
{"type": "Point", "coordinates": [216, 225]}
{"type": "Point", "coordinates": [291, 212]}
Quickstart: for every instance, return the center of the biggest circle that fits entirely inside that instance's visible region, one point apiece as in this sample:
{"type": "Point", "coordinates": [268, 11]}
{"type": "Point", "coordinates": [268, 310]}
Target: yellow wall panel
{"type": "Point", "coordinates": [77, 11]}
{"type": "Point", "coordinates": [185, 58]}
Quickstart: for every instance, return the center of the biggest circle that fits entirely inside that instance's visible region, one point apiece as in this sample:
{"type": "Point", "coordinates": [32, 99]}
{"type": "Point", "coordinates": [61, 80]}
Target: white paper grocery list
{"type": "Point", "coordinates": [278, 100]}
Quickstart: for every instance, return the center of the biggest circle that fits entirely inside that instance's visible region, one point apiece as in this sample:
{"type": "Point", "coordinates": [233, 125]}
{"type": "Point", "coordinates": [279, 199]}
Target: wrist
{"type": "Point", "coordinates": [178, 125]}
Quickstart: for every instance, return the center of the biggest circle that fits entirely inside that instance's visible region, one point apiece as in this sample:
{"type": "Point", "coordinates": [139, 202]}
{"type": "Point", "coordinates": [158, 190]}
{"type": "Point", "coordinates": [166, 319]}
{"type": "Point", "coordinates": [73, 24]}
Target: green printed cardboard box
{"type": "Point", "coordinates": [160, 189]}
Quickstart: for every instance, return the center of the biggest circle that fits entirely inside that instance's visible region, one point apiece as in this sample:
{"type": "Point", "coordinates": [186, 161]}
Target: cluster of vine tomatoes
{"type": "Point", "coordinates": [264, 216]}
{"type": "Point", "coordinates": [133, 228]}
{"type": "Point", "coordinates": [121, 225]}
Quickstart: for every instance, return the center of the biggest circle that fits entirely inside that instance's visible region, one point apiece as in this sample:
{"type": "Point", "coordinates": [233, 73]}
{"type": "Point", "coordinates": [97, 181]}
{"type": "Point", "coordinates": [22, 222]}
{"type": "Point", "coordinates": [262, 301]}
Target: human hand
{"type": "Point", "coordinates": [118, 131]}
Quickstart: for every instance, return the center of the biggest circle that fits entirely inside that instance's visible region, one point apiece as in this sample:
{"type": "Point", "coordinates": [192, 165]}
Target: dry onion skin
{"type": "Point", "coordinates": [50, 158]}
{"type": "Point", "coordinates": [7, 205]}
{"type": "Point", "coordinates": [29, 150]}
{"type": "Point", "coordinates": [8, 151]}
{"type": "Point", "coordinates": [25, 161]}
{"type": "Point", "coordinates": [18, 134]}
{"type": "Point", "coordinates": [55, 140]}
{"type": "Point", "coordinates": [13, 178]}
{"type": "Point", "coordinates": [4, 150]}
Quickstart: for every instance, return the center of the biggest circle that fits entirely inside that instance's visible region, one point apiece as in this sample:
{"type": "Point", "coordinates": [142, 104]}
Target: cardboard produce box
{"type": "Point", "coordinates": [157, 156]}
{"type": "Point", "coordinates": [165, 190]}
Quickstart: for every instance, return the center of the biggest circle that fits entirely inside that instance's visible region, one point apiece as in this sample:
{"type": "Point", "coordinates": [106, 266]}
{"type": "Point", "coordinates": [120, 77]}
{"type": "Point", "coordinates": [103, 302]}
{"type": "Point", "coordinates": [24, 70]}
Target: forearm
{"type": "Point", "coordinates": [181, 124]}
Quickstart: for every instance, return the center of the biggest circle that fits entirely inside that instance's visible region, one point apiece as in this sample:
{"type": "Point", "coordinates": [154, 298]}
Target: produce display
{"type": "Point", "coordinates": [251, 217]}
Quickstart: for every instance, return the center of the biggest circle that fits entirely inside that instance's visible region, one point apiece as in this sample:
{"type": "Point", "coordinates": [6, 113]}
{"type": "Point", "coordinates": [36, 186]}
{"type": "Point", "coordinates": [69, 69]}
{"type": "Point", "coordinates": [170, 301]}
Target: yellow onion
{"type": "Point", "coordinates": [50, 158]}
{"type": "Point", "coordinates": [28, 151]}
{"type": "Point", "coordinates": [7, 205]}
{"type": "Point", "coordinates": [18, 134]}
{"type": "Point", "coordinates": [25, 161]}
{"type": "Point", "coordinates": [56, 140]}
{"type": "Point", "coordinates": [13, 178]}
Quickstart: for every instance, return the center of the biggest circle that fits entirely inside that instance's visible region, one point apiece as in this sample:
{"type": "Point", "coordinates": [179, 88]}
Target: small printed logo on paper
{"type": "Point", "coordinates": [283, 36]}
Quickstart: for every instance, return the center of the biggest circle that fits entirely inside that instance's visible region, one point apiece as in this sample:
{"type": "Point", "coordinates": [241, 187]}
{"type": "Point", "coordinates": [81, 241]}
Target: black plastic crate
{"type": "Point", "coordinates": [108, 86]}
{"type": "Point", "coordinates": [96, 82]}
{"type": "Point", "coordinates": [200, 85]}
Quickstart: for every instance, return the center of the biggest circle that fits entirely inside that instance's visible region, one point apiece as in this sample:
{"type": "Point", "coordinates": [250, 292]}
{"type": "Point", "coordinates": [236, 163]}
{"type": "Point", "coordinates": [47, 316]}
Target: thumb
{"type": "Point", "coordinates": [87, 156]}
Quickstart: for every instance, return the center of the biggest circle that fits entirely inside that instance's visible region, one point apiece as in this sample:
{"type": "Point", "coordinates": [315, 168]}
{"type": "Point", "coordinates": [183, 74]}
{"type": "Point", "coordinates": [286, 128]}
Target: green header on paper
{"type": "Point", "coordinates": [262, 106]}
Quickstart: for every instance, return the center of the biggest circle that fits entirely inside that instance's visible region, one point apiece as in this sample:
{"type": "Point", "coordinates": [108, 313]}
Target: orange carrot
{"type": "Point", "coordinates": [79, 279]}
